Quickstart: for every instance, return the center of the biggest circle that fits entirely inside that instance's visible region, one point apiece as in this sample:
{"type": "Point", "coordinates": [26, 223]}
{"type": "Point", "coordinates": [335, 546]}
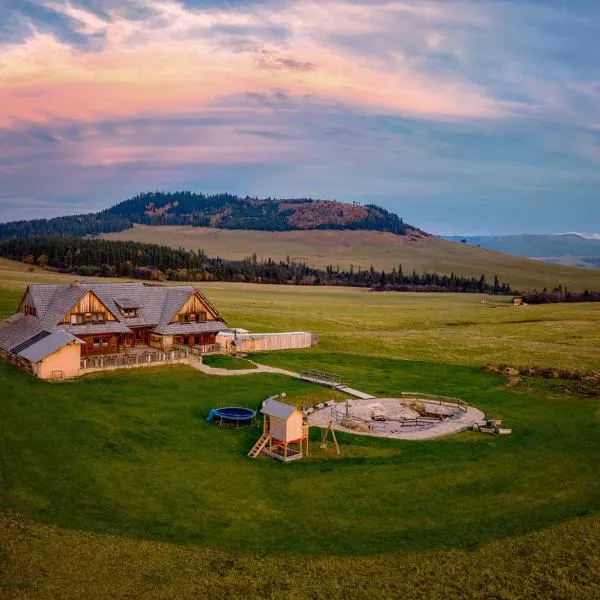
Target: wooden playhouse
{"type": "Point", "coordinates": [285, 432]}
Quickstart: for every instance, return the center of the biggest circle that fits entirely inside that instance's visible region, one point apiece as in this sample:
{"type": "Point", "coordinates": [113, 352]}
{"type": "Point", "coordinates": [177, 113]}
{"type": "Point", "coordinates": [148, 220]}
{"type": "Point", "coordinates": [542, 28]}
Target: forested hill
{"type": "Point", "coordinates": [224, 211]}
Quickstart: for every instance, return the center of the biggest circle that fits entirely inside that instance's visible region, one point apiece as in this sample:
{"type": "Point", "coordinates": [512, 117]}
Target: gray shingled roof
{"type": "Point", "coordinates": [127, 303]}
{"type": "Point", "coordinates": [19, 330]}
{"type": "Point", "coordinates": [191, 328]}
{"type": "Point", "coordinates": [156, 307]}
{"type": "Point", "coordinates": [280, 410]}
{"type": "Point", "coordinates": [46, 346]}
{"type": "Point", "coordinates": [94, 328]}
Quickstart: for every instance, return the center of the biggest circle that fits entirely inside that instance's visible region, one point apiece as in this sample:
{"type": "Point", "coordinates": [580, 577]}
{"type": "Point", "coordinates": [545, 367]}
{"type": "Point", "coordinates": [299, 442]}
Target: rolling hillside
{"type": "Point", "coordinates": [383, 250]}
{"type": "Point", "coordinates": [221, 211]}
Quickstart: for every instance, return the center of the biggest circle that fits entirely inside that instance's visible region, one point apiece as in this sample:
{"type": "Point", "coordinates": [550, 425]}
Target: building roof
{"type": "Point", "coordinates": [191, 328]}
{"type": "Point", "coordinates": [94, 328]}
{"type": "Point", "coordinates": [47, 345]}
{"type": "Point", "coordinates": [19, 329]}
{"type": "Point", "coordinates": [30, 342]}
{"type": "Point", "coordinates": [156, 304]}
{"type": "Point", "coordinates": [126, 303]}
{"type": "Point", "coordinates": [280, 410]}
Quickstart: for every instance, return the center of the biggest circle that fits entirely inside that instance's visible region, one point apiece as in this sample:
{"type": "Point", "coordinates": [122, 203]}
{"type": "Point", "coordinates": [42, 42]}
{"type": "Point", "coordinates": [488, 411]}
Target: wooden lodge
{"type": "Point", "coordinates": [56, 325]}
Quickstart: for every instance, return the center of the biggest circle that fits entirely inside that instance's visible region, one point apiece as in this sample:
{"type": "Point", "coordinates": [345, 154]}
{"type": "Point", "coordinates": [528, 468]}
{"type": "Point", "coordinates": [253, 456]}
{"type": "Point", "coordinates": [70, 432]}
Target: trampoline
{"type": "Point", "coordinates": [232, 414]}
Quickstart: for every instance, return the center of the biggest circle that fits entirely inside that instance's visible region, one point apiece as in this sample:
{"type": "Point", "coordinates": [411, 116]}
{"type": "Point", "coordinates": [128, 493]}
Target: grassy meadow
{"type": "Point", "coordinates": [321, 248]}
{"type": "Point", "coordinates": [114, 485]}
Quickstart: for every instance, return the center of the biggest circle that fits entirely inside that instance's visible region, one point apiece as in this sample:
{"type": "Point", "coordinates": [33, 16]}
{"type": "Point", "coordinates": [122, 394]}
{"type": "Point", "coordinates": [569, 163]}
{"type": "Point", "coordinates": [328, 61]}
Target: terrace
{"type": "Point", "coordinates": [139, 356]}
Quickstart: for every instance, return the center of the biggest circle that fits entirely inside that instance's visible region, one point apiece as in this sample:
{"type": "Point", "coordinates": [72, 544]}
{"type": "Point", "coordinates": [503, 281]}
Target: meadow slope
{"type": "Point", "coordinates": [114, 485]}
{"type": "Point", "coordinates": [366, 248]}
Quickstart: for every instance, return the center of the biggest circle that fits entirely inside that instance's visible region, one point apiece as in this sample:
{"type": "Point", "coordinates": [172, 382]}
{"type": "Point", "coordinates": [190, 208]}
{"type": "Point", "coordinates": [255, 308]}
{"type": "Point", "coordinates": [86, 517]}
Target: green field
{"type": "Point", "coordinates": [114, 485]}
{"type": "Point", "coordinates": [362, 249]}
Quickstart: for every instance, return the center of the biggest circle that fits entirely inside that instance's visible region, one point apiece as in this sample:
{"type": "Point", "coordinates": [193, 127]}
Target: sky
{"type": "Point", "coordinates": [464, 117]}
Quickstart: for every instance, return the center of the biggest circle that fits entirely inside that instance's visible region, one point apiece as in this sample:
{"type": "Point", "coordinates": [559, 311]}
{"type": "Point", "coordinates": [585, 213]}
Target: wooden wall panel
{"type": "Point", "coordinates": [90, 303]}
{"type": "Point", "coordinates": [194, 305]}
{"type": "Point", "coordinates": [88, 349]}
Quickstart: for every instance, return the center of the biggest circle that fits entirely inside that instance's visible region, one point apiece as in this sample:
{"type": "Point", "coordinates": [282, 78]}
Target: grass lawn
{"type": "Point", "coordinates": [129, 454]}
{"type": "Point", "coordinates": [114, 485]}
{"type": "Point", "coordinates": [232, 363]}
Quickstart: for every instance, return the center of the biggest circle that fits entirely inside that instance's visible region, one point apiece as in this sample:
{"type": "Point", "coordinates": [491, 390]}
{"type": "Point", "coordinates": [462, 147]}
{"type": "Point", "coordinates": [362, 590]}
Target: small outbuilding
{"type": "Point", "coordinates": [47, 355]}
{"type": "Point", "coordinates": [242, 341]}
{"type": "Point", "coordinates": [285, 432]}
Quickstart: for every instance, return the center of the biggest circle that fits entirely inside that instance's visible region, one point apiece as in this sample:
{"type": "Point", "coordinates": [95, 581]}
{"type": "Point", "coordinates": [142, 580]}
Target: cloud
{"type": "Point", "coordinates": [177, 56]}
{"type": "Point", "coordinates": [470, 102]}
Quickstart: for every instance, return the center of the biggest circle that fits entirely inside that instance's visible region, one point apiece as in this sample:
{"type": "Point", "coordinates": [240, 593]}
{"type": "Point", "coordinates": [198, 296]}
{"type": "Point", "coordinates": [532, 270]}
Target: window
{"type": "Point", "coordinates": [87, 318]}
{"type": "Point", "coordinates": [97, 342]}
{"type": "Point", "coordinates": [129, 312]}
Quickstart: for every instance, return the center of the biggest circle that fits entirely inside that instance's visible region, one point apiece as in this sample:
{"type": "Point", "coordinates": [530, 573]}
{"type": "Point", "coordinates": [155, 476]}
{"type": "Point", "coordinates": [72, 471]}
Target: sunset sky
{"type": "Point", "coordinates": [465, 117]}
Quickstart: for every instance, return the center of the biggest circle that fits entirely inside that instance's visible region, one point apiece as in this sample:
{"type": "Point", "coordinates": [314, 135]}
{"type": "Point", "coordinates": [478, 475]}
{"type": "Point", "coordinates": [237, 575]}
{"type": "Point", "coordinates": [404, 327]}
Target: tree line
{"type": "Point", "coordinates": [107, 258]}
{"type": "Point", "coordinates": [560, 294]}
{"type": "Point", "coordinates": [87, 224]}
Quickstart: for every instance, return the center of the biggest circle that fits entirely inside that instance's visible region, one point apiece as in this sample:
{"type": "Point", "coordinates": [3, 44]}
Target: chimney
{"type": "Point", "coordinates": [76, 283]}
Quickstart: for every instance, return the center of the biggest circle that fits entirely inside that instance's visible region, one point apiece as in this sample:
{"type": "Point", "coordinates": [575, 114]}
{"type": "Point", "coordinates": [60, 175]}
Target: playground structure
{"type": "Point", "coordinates": [232, 415]}
{"type": "Point", "coordinates": [285, 431]}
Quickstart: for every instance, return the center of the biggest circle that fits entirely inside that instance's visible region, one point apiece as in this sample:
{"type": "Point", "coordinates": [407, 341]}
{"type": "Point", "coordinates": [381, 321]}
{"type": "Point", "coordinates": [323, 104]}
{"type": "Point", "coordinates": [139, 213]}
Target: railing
{"type": "Point", "coordinates": [131, 360]}
{"type": "Point", "coordinates": [199, 350]}
{"type": "Point", "coordinates": [461, 404]}
{"type": "Point", "coordinates": [329, 378]}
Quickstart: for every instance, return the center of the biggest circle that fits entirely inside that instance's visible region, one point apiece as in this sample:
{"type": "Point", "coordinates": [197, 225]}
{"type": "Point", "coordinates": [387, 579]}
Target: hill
{"type": "Point", "coordinates": [383, 250]}
{"type": "Point", "coordinates": [222, 211]}
{"type": "Point", "coordinates": [566, 249]}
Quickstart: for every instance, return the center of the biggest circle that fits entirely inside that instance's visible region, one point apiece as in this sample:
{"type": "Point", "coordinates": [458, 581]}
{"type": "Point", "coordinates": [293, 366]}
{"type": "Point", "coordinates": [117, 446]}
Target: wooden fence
{"type": "Point", "coordinates": [460, 404]}
{"type": "Point", "coordinates": [138, 359]}
{"type": "Point", "coordinates": [199, 350]}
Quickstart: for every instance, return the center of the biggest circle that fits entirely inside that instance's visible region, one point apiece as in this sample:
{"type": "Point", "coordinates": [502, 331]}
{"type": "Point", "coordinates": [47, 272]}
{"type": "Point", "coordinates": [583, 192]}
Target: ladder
{"type": "Point", "coordinates": [259, 446]}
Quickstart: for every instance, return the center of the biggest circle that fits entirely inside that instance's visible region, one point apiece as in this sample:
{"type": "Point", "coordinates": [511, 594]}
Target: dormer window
{"type": "Point", "coordinates": [127, 307]}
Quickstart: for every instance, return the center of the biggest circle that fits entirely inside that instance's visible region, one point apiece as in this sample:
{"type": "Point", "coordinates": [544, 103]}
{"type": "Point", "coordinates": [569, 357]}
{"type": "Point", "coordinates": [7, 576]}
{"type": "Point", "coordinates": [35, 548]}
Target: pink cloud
{"type": "Point", "coordinates": [178, 59]}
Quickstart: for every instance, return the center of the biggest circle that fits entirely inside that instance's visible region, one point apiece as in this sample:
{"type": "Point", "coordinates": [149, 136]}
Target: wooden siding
{"type": "Point", "coordinates": [88, 349]}
{"type": "Point", "coordinates": [27, 306]}
{"type": "Point", "coordinates": [90, 303]}
{"type": "Point", "coordinates": [194, 305]}
{"type": "Point", "coordinates": [286, 430]}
